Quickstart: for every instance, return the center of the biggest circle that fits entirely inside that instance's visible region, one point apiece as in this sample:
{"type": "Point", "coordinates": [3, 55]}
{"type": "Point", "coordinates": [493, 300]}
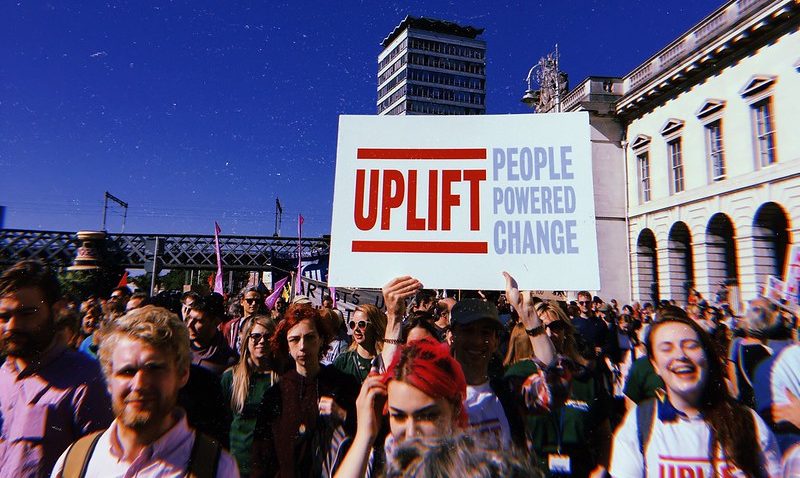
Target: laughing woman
{"type": "Point", "coordinates": [698, 429]}
{"type": "Point", "coordinates": [368, 325]}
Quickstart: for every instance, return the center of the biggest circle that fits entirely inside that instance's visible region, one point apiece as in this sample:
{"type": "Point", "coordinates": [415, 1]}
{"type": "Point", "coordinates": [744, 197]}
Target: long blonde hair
{"type": "Point", "coordinates": [519, 346]}
{"type": "Point", "coordinates": [243, 370]}
{"type": "Point", "coordinates": [378, 321]}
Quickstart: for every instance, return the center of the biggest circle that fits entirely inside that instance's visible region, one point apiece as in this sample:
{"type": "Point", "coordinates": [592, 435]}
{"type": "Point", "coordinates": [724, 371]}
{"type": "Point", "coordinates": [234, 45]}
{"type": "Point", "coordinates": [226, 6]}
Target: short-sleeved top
{"type": "Point", "coordinates": [747, 357]}
{"type": "Point", "coordinates": [785, 375]}
{"type": "Point", "coordinates": [566, 430]}
{"type": "Point", "coordinates": [679, 446]}
{"type": "Point", "coordinates": [88, 347]}
{"type": "Point", "coordinates": [487, 418]}
{"type": "Point", "coordinates": [352, 363]}
{"type": "Point", "coordinates": [643, 381]}
{"type": "Point", "coordinates": [243, 424]}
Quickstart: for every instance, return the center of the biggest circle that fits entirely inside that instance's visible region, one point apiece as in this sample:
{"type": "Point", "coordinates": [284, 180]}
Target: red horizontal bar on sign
{"type": "Point", "coordinates": [444, 247]}
{"type": "Point", "coordinates": [437, 153]}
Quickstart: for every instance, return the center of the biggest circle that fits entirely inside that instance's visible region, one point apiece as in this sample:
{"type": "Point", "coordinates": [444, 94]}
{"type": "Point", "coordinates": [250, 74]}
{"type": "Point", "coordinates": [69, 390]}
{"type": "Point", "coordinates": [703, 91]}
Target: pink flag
{"type": "Point", "coordinates": [298, 283]}
{"type": "Point", "coordinates": [333, 295]}
{"type": "Point", "coordinates": [270, 302]}
{"type": "Point", "coordinates": [218, 277]}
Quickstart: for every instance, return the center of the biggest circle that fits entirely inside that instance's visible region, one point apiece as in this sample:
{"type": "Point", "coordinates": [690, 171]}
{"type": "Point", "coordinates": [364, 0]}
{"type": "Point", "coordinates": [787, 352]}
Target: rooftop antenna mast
{"type": "Point", "coordinates": [546, 84]}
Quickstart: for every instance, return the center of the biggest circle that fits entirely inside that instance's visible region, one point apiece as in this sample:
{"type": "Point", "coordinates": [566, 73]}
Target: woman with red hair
{"type": "Point", "coordinates": [307, 415]}
{"type": "Point", "coordinates": [423, 391]}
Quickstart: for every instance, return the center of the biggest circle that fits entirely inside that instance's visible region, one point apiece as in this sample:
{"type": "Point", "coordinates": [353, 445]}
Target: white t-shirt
{"type": "Point", "coordinates": [487, 419]}
{"type": "Point", "coordinates": [785, 375]}
{"type": "Point", "coordinates": [679, 448]}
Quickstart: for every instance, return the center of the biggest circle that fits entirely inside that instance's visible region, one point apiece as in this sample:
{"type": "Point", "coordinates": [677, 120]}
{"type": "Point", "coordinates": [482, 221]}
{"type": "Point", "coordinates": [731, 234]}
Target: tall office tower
{"type": "Point", "coordinates": [432, 67]}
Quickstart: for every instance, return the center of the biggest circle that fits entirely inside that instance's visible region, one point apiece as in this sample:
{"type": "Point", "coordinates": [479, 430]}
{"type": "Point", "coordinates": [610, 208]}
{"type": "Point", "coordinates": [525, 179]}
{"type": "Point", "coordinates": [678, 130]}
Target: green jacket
{"type": "Point", "coordinates": [243, 424]}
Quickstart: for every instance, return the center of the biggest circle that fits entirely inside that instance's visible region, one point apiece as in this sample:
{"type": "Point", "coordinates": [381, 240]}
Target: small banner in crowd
{"type": "Point", "coordinates": [346, 299]}
{"type": "Point", "coordinates": [773, 289]}
{"type": "Point", "coordinates": [792, 275]}
{"type": "Point", "coordinates": [456, 200]}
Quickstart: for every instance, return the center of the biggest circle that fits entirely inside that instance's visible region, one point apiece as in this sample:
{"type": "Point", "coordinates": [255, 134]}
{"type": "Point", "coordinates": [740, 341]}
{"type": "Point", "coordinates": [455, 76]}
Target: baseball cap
{"type": "Point", "coordinates": [301, 299]}
{"type": "Point", "coordinates": [467, 311]}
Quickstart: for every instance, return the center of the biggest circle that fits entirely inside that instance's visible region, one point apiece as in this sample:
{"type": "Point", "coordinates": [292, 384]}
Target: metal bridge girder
{"type": "Point", "coordinates": [189, 251]}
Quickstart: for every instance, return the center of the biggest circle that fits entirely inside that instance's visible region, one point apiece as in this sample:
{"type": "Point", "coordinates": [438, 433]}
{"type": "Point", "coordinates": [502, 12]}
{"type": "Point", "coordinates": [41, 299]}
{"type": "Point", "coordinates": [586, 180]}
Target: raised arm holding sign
{"type": "Point", "coordinates": [395, 294]}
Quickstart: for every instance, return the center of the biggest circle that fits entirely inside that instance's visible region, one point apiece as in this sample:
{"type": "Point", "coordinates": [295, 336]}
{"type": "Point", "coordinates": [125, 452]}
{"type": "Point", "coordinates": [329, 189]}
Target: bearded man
{"type": "Point", "coordinates": [145, 357]}
{"type": "Point", "coordinates": [50, 395]}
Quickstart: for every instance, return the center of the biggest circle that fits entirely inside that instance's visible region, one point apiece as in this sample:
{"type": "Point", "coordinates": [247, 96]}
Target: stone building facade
{"type": "Point", "coordinates": [696, 155]}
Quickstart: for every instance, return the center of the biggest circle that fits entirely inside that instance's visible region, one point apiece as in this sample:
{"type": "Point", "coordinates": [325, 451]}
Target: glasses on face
{"type": "Point", "coordinates": [585, 302]}
{"type": "Point", "coordinates": [251, 300]}
{"type": "Point", "coordinates": [361, 324]}
{"type": "Point", "coordinates": [257, 337]}
{"type": "Point", "coordinates": [23, 312]}
{"type": "Point", "coordinates": [115, 297]}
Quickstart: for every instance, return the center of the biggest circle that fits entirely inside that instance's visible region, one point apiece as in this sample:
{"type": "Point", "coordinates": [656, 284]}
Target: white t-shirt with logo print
{"type": "Point", "coordinates": [487, 418]}
{"type": "Point", "coordinates": [678, 447]}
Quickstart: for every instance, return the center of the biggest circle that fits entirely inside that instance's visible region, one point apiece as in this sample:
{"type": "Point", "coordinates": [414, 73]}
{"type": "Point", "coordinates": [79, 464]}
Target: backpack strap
{"type": "Point", "coordinates": [77, 460]}
{"type": "Point", "coordinates": [204, 460]}
{"type": "Point", "coordinates": [645, 416]}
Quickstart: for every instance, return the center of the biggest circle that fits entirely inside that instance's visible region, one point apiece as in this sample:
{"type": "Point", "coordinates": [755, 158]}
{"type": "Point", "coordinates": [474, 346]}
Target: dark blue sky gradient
{"type": "Point", "coordinates": [196, 111]}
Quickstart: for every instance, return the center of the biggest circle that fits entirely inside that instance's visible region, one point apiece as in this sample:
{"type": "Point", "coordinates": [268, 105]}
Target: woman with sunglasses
{"type": "Point", "coordinates": [563, 402]}
{"type": "Point", "coordinates": [244, 385]}
{"type": "Point", "coordinates": [306, 417]}
{"type": "Point", "coordinates": [368, 324]}
{"type": "Point", "coordinates": [698, 429]}
{"type": "Point", "coordinates": [250, 302]}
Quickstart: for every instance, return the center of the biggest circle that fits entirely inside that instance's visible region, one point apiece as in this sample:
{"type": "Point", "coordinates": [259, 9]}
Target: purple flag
{"type": "Point", "coordinates": [298, 283]}
{"type": "Point", "coordinates": [218, 277]}
{"type": "Point", "coordinates": [270, 302]}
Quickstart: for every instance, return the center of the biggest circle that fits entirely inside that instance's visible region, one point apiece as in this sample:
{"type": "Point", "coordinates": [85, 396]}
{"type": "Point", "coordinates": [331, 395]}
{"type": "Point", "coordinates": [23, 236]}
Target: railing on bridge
{"type": "Point", "coordinates": [251, 253]}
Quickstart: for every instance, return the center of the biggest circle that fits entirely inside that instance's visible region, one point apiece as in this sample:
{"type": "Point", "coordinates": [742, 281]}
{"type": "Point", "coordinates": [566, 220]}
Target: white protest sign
{"type": "Point", "coordinates": [773, 289]}
{"type": "Point", "coordinates": [456, 200]}
{"type": "Point", "coordinates": [792, 275]}
{"type": "Point", "coordinates": [346, 299]}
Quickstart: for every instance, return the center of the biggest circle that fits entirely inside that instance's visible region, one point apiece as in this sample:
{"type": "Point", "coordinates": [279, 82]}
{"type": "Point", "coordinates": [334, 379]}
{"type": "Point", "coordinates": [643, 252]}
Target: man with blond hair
{"type": "Point", "coordinates": [145, 357]}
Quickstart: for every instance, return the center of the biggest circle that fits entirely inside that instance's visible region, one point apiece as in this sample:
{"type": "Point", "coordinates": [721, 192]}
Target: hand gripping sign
{"type": "Point", "coordinates": [456, 200]}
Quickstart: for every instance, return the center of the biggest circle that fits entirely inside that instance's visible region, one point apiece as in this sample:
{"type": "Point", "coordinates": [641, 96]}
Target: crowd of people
{"type": "Point", "coordinates": [481, 384]}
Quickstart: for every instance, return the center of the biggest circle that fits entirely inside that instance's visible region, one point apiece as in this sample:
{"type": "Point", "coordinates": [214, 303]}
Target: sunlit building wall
{"type": "Point", "coordinates": [709, 154]}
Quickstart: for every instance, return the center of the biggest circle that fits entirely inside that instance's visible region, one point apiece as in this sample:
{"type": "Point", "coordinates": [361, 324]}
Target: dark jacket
{"type": "Point", "coordinates": [291, 439]}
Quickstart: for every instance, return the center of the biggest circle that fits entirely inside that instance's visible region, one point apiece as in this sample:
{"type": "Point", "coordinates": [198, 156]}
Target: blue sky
{"type": "Point", "coordinates": [194, 111]}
